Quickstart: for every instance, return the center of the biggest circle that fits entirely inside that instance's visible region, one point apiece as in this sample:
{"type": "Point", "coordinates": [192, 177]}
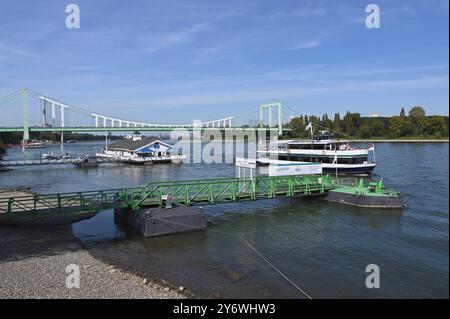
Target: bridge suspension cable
{"type": "Point", "coordinates": [103, 120]}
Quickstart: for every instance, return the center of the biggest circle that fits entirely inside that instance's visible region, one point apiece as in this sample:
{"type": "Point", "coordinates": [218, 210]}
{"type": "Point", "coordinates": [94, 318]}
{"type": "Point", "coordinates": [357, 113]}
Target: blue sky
{"type": "Point", "coordinates": [173, 61]}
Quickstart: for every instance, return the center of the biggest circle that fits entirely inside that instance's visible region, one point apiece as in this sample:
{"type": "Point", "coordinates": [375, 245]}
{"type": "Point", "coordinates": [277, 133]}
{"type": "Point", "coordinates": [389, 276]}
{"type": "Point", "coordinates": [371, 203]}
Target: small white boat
{"type": "Point", "coordinates": [52, 156]}
{"type": "Point", "coordinates": [34, 144]}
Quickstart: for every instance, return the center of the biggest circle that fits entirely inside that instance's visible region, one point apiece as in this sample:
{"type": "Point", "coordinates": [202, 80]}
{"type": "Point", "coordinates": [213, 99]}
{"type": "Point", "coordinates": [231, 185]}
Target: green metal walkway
{"type": "Point", "coordinates": [186, 192]}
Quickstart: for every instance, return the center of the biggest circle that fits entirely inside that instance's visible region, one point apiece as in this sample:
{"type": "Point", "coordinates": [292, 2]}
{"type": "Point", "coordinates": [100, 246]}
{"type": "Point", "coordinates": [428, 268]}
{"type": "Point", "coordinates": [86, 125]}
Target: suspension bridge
{"type": "Point", "coordinates": [53, 115]}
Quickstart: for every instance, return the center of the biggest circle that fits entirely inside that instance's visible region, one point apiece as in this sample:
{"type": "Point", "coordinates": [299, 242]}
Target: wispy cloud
{"type": "Point", "coordinates": [183, 36]}
{"type": "Point", "coordinates": [311, 10]}
{"type": "Point", "coordinates": [11, 51]}
{"type": "Point", "coordinates": [188, 34]}
{"type": "Point", "coordinates": [265, 93]}
{"type": "Point", "coordinates": [308, 45]}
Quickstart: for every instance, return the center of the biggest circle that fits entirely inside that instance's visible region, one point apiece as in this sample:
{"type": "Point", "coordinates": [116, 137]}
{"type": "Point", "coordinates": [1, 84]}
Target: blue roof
{"type": "Point", "coordinates": [146, 150]}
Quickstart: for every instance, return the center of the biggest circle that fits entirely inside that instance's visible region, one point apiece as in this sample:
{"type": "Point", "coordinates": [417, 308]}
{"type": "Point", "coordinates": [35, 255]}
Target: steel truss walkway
{"type": "Point", "coordinates": [187, 192]}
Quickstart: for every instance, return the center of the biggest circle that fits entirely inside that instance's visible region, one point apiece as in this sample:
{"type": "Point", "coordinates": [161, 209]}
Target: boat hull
{"type": "Point", "coordinates": [85, 165]}
{"type": "Point", "coordinates": [365, 200]}
{"type": "Point", "coordinates": [342, 169]}
{"type": "Point", "coordinates": [361, 169]}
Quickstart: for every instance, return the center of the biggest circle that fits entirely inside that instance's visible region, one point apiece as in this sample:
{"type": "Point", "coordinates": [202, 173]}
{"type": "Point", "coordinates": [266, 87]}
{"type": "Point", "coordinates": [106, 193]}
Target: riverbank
{"type": "Point", "coordinates": [33, 263]}
{"type": "Point", "coordinates": [385, 140]}
{"type": "Point", "coordinates": [399, 140]}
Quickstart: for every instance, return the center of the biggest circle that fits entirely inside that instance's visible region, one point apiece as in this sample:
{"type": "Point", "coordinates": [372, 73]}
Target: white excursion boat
{"type": "Point", "coordinates": [336, 157]}
{"type": "Point", "coordinates": [135, 149]}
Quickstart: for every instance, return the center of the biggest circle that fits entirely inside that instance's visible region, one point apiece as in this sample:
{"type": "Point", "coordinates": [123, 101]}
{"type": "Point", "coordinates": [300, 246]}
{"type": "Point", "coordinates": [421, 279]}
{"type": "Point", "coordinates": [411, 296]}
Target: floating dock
{"type": "Point", "coordinates": [148, 208]}
{"type": "Point", "coordinates": [156, 221]}
{"type": "Point", "coordinates": [372, 196]}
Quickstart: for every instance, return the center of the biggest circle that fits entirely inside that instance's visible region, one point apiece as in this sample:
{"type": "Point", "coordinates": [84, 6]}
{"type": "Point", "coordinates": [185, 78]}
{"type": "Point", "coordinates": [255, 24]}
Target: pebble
{"type": "Point", "coordinates": [44, 275]}
{"type": "Point", "coordinates": [167, 289]}
{"type": "Point", "coordinates": [181, 288]}
{"type": "Point", "coordinates": [145, 281]}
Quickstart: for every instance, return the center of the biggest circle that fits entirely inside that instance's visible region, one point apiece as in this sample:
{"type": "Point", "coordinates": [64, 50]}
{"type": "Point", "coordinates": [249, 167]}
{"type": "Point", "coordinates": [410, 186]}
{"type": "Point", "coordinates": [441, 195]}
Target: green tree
{"type": "Point", "coordinates": [395, 126]}
{"type": "Point", "coordinates": [356, 119]}
{"type": "Point", "coordinates": [408, 128]}
{"type": "Point", "coordinates": [2, 150]}
{"type": "Point", "coordinates": [337, 122]}
{"type": "Point", "coordinates": [402, 113]}
{"type": "Point", "coordinates": [436, 125]}
{"type": "Point", "coordinates": [297, 126]}
{"type": "Point", "coordinates": [377, 127]}
{"type": "Point", "coordinates": [418, 119]}
{"type": "Point", "coordinates": [444, 130]}
{"type": "Point", "coordinates": [349, 127]}
{"type": "Point", "coordinates": [416, 112]}
{"type": "Point", "coordinates": [364, 131]}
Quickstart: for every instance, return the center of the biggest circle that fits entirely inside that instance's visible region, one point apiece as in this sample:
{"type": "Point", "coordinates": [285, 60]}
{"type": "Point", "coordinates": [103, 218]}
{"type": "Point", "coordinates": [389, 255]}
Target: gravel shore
{"type": "Point", "coordinates": [33, 261]}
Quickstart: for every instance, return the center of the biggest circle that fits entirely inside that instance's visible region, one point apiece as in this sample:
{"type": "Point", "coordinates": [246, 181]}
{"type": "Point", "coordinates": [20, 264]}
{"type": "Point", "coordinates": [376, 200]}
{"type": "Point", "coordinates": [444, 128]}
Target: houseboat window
{"type": "Point", "coordinates": [321, 159]}
{"type": "Point", "coordinates": [322, 137]}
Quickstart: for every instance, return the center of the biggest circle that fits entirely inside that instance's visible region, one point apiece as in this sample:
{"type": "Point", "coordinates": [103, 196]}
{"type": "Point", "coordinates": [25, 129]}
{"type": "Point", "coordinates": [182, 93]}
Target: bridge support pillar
{"type": "Point", "coordinates": [53, 114]}
{"type": "Point", "coordinates": [26, 124]}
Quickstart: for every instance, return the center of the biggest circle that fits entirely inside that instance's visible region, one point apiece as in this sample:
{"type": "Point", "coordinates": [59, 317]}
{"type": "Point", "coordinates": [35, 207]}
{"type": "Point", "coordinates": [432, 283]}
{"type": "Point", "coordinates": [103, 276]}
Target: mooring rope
{"type": "Point", "coordinates": [241, 236]}
{"type": "Point", "coordinates": [275, 268]}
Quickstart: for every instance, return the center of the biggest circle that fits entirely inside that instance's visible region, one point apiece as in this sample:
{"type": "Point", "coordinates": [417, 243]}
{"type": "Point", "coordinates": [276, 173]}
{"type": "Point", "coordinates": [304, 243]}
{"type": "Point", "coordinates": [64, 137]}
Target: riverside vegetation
{"type": "Point", "coordinates": [415, 125]}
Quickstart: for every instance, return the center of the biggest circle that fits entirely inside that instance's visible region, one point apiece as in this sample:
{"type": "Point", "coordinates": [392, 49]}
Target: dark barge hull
{"type": "Point", "coordinates": [365, 200]}
{"type": "Point", "coordinates": [349, 170]}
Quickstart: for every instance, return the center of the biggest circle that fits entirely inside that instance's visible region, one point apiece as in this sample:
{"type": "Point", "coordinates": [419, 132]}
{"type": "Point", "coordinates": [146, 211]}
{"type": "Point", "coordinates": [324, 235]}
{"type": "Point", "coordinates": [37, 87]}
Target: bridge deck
{"type": "Point", "coordinates": [133, 128]}
{"type": "Point", "coordinates": [182, 192]}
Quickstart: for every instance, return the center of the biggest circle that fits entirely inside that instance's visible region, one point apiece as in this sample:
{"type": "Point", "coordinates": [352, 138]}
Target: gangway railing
{"type": "Point", "coordinates": [187, 192]}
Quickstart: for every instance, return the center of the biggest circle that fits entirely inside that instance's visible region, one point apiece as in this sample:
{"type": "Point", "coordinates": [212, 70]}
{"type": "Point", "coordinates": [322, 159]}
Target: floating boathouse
{"type": "Point", "coordinates": [136, 149]}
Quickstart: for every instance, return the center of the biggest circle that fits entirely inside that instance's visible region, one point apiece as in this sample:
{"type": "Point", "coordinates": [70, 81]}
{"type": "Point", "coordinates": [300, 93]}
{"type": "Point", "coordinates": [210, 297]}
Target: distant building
{"type": "Point", "coordinates": [139, 147]}
{"type": "Point", "coordinates": [135, 149]}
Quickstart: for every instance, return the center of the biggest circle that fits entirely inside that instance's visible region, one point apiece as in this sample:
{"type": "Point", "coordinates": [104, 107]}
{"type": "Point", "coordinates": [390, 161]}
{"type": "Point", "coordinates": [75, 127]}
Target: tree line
{"type": "Point", "coordinates": [416, 124]}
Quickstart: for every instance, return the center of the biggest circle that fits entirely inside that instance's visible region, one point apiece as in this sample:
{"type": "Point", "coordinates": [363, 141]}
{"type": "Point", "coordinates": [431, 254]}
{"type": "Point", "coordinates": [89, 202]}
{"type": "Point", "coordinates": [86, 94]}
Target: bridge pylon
{"type": "Point", "coordinates": [26, 118]}
{"type": "Point", "coordinates": [270, 107]}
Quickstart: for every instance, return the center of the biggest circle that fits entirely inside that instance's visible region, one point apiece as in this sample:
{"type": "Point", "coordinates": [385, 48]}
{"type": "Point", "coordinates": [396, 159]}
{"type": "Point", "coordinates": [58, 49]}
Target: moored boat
{"type": "Point", "coordinates": [86, 162]}
{"type": "Point", "coordinates": [336, 157]}
{"type": "Point", "coordinates": [34, 144]}
{"type": "Point", "coordinates": [373, 196]}
{"type": "Point", "coordinates": [52, 156]}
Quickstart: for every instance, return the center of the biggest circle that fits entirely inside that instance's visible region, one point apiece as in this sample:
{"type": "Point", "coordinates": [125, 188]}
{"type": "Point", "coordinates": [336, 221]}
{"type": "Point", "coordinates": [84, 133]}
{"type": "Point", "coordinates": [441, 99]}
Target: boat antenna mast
{"type": "Point", "coordinates": [310, 128]}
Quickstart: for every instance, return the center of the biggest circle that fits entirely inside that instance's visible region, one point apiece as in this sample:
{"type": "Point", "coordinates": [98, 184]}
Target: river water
{"type": "Point", "coordinates": [323, 248]}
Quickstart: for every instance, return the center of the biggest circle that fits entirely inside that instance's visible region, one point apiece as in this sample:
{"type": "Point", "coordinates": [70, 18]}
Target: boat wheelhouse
{"type": "Point", "coordinates": [336, 156]}
{"type": "Point", "coordinates": [138, 150]}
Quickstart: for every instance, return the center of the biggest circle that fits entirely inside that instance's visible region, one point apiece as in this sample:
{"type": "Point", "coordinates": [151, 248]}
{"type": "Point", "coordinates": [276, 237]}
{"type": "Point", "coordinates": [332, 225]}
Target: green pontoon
{"type": "Point", "coordinates": [373, 196]}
